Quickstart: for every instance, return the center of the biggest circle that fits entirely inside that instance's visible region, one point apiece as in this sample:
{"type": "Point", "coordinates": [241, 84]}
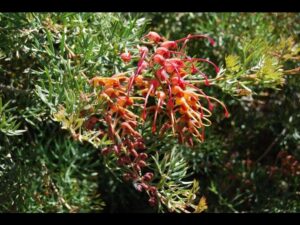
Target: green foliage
{"type": "Point", "coordinates": [9, 125]}
{"type": "Point", "coordinates": [61, 176]}
{"type": "Point", "coordinates": [46, 61]}
{"type": "Point", "coordinates": [75, 123]}
{"type": "Point", "coordinates": [253, 69]}
{"type": "Point", "coordinates": [175, 191]}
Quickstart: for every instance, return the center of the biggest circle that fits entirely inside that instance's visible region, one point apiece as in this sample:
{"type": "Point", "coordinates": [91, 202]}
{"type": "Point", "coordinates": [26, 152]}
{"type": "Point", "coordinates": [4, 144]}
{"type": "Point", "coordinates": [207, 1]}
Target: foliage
{"type": "Point", "coordinates": [9, 125]}
{"type": "Point", "coordinates": [247, 163]}
{"type": "Point", "coordinates": [262, 122]}
{"type": "Point", "coordinates": [40, 71]}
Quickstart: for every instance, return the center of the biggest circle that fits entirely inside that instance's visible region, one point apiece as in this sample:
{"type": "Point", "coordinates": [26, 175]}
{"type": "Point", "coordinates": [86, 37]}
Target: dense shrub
{"type": "Point", "coordinates": [56, 67]}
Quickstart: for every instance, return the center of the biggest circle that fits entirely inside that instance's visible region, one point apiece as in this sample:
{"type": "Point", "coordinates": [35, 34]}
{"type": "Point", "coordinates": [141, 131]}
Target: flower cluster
{"type": "Point", "coordinates": [164, 90]}
{"type": "Point", "coordinates": [122, 124]}
{"type": "Point", "coordinates": [168, 75]}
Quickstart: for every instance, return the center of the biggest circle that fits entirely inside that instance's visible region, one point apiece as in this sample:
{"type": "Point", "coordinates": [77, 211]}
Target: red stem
{"type": "Point", "coordinates": [136, 73]}
{"type": "Point", "coordinates": [211, 41]}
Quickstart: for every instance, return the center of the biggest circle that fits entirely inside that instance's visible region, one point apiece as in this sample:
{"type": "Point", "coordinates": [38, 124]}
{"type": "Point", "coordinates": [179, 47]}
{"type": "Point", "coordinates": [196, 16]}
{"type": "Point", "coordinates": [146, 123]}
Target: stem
{"type": "Point", "coordinates": [271, 145]}
{"type": "Point", "coordinates": [293, 71]}
{"type": "Point", "coordinates": [212, 42]}
{"type": "Point", "coordinates": [201, 81]}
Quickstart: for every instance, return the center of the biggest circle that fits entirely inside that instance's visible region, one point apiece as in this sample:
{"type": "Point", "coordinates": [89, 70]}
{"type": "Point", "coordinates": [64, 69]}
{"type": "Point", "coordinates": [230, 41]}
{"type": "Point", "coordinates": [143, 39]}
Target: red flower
{"type": "Point", "coordinates": [126, 57]}
{"type": "Point", "coordinates": [153, 36]}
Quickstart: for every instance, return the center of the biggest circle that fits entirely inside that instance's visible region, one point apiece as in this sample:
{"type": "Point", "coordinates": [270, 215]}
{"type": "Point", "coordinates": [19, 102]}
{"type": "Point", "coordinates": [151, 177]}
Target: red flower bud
{"type": "Point", "coordinates": [142, 163]}
{"type": "Point", "coordinates": [143, 66]}
{"type": "Point", "coordinates": [176, 90]}
{"type": "Point", "coordinates": [152, 201]}
{"type": "Point", "coordinates": [143, 156]}
{"type": "Point", "coordinates": [161, 95]}
{"type": "Point", "coordinates": [143, 49]}
{"type": "Point", "coordinates": [139, 145]}
{"type": "Point", "coordinates": [155, 84]}
{"type": "Point", "coordinates": [137, 167]}
{"type": "Point", "coordinates": [169, 44]}
{"type": "Point", "coordinates": [147, 177]}
{"type": "Point", "coordinates": [116, 149]}
{"type": "Point", "coordinates": [159, 59]}
{"type": "Point", "coordinates": [126, 57]}
{"type": "Point", "coordinates": [162, 74]}
{"type": "Point", "coordinates": [178, 62]}
{"type": "Point", "coordinates": [139, 187]}
{"type": "Point", "coordinates": [169, 67]}
{"type": "Point", "coordinates": [153, 36]}
{"type": "Point", "coordinates": [153, 190]}
{"type": "Point", "coordinates": [163, 52]}
{"type": "Point", "coordinates": [134, 153]}
{"type": "Point", "coordinates": [145, 186]}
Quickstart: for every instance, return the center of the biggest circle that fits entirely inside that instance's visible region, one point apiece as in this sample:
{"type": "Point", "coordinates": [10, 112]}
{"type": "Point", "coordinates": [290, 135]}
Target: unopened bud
{"type": "Point", "coordinates": [147, 177]}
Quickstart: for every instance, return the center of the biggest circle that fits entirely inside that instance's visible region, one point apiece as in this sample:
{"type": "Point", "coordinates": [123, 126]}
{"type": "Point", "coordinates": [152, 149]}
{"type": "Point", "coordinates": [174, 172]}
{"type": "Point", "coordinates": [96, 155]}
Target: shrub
{"type": "Point", "coordinates": [116, 90]}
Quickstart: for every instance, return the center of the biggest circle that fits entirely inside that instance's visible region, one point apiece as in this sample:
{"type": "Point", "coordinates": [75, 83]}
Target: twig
{"type": "Point", "coordinates": [292, 71]}
{"type": "Point", "coordinates": [271, 145]}
{"type": "Point", "coordinates": [60, 197]}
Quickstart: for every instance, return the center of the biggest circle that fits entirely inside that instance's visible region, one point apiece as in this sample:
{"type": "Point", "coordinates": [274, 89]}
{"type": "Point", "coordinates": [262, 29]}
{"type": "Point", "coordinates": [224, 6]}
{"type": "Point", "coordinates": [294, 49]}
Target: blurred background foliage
{"type": "Point", "coordinates": [248, 163]}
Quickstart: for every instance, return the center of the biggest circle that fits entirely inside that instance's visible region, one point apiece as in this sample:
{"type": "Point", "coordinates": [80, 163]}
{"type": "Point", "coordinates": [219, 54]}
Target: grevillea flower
{"type": "Point", "coordinates": [162, 90]}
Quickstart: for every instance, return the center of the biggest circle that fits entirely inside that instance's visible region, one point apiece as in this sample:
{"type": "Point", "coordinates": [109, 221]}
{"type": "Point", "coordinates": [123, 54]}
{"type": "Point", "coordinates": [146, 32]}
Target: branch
{"type": "Point", "coordinates": [271, 145]}
{"type": "Point", "coordinates": [60, 197]}
{"type": "Point", "coordinates": [292, 71]}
